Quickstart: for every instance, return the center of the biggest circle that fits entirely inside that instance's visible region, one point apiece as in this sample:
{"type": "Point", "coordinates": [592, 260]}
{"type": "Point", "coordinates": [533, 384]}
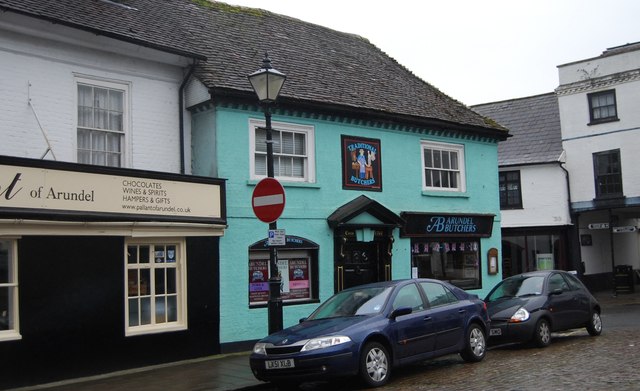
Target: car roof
{"type": "Point", "coordinates": [543, 273]}
{"type": "Point", "coordinates": [394, 283]}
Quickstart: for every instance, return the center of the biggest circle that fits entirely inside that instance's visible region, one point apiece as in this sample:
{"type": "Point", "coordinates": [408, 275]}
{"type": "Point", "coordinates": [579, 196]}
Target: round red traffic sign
{"type": "Point", "coordinates": [268, 200]}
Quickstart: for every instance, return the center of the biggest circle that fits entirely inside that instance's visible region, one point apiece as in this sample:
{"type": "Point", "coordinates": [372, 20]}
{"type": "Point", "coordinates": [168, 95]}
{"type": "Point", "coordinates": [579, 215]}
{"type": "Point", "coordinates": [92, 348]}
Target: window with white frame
{"type": "Point", "coordinates": [155, 286]}
{"type": "Point", "coordinates": [293, 151]}
{"type": "Point", "coordinates": [443, 166]}
{"type": "Point", "coordinates": [102, 122]}
{"type": "Point", "coordinates": [8, 290]}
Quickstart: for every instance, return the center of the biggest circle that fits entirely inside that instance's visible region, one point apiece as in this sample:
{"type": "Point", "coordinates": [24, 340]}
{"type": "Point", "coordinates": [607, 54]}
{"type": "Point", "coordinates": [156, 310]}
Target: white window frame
{"type": "Point", "coordinates": [308, 130]}
{"type": "Point", "coordinates": [181, 286]}
{"type": "Point", "coordinates": [123, 86]}
{"type": "Point", "coordinates": [12, 314]}
{"type": "Point", "coordinates": [459, 149]}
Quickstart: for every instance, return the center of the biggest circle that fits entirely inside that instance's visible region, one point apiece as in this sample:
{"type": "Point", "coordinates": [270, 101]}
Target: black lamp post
{"type": "Point", "coordinates": [266, 83]}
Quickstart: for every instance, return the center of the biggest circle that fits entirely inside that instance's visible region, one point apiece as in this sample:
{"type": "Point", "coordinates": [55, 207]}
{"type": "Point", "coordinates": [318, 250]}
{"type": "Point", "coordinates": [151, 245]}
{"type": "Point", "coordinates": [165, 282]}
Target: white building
{"type": "Point", "coordinates": [598, 100]}
{"type": "Point", "coordinates": [105, 246]}
{"type": "Point", "coordinates": [568, 173]}
{"type": "Point", "coordinates": [534, 197]}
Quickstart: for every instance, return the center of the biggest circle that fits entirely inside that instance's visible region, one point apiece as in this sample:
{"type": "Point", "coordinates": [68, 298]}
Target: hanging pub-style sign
{"type": "Point", "coordinates": [361, 164]}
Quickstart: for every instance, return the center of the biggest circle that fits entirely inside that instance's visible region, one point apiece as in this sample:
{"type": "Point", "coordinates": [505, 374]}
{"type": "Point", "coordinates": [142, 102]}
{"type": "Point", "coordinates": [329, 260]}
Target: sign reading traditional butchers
{"type": "Point", "coordinates": [361, 164]}
{"type": "Point", "coordinates": [55, 187]}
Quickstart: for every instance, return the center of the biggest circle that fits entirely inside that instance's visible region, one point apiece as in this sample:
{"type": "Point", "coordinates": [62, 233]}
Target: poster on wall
{"type": "Point", "coordinates": [361, 164]}
{"type": "Point", "coordinates": [298, 280]}
{"type": "Point", "coordinates": [544, 261]}
{"type": "Point", "coordinates": [294, 276]}
{"type": "Point", "coordinates": [258, 280]}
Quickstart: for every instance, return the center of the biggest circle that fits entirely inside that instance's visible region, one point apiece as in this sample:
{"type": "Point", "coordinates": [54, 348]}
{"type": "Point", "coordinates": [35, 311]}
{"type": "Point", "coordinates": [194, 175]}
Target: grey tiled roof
{"type": "Point", "coordinates": [150, 23]}
{"type": "Point", "coordinates": [534, 126]}
{"type": "Point", "coordinates": [323, 66]}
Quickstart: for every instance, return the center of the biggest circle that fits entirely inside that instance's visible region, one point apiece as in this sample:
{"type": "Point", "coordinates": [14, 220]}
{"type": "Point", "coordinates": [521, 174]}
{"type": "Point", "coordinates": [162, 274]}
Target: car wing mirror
{"type": "Point", "coordinates": [401, 311]}
{"type": "Point", "coordinates": [557, 291]}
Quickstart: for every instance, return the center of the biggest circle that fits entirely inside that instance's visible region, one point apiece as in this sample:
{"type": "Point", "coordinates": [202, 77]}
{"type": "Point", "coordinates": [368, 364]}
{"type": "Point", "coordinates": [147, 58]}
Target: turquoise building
{"type": "Point", "coordinates": [342, 232]}
{"type": "Point", "coordinates": [152, 253]}
{"type": "Point", "coordinates": [385, 176]}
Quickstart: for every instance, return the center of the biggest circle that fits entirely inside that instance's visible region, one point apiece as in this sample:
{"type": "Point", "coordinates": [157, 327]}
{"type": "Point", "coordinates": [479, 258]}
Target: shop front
{"type": "Point", "coordinates": [530, 249]}
{"type": "Point", "coordinates": [104, 269]}
{"type": "Point", "coordinates": [449, 247]}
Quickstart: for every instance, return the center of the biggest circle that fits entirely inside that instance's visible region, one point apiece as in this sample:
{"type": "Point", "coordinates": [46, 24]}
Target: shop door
{"type": "Point", "coordinates": [359, 265]}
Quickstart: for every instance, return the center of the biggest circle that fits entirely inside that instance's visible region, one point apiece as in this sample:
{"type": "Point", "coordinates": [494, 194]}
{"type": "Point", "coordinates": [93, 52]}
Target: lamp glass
{"type": "Point", "coordinates": [267, 83]}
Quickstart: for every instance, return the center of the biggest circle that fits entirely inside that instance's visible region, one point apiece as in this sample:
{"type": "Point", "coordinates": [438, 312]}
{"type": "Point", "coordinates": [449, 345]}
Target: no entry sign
{"type": "Point", "coordinates": [268, 200]}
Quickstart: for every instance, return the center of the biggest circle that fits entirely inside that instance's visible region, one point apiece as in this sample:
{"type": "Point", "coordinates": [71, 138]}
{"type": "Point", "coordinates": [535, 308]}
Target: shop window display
{"type": "Point", "coordinates": [455, 261]}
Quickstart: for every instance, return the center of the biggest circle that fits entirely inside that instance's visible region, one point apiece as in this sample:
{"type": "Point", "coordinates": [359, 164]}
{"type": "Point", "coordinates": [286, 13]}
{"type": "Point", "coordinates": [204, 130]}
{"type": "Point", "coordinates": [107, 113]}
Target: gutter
{"type": "Point", "coordinates": [335, 110]}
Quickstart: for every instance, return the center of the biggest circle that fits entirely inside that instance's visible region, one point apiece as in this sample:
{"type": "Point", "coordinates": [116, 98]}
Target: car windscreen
{"type": "Point", "coordinates": [366, 301]}
{"type": "Point", "coordinates": [517, 287]}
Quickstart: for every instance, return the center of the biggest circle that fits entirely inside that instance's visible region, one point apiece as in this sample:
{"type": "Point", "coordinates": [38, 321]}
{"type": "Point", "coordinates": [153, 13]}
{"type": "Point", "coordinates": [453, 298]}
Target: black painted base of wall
{"type": "Point", "coordinates": [72, 311]}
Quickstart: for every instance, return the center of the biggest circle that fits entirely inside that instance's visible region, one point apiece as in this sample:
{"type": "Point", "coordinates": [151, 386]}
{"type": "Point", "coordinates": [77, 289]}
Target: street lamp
{"type": "Point", "coordinates": [266, 83]}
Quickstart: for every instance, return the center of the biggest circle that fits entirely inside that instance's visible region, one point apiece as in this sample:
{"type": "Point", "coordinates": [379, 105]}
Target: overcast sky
{"type": "Point", "coordinates": [477, 51]}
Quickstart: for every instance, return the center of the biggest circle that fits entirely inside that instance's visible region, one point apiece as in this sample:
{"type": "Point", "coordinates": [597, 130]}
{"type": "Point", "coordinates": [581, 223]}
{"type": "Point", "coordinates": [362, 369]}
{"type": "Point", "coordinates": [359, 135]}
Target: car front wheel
{"type": "Point", "coordinates": [542, 333]}
{"type": "Point", "coordinates": [375, 365]}
{"type": "Point", "coordinates": [594, 327]}
{"type": "Point", "coordinates": [476, 344]}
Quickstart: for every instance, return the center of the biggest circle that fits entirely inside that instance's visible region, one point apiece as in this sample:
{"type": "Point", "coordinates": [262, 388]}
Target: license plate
{"type": "Point", "coordinates": [495, 332]}
{"type": "Point", "coordinates": [280, 364]}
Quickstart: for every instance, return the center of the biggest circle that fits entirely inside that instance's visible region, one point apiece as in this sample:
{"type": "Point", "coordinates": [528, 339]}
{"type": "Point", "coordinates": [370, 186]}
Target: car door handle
{"type": "Point", "coordinates": [426, 318]}
{"type": "Point", "coordinates": [462, 311]}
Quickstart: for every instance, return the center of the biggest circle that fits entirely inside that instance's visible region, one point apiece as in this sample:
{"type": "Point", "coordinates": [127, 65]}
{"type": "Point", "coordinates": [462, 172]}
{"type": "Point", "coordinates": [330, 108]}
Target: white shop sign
{"type": "Point", "coordinates": [34, 188]}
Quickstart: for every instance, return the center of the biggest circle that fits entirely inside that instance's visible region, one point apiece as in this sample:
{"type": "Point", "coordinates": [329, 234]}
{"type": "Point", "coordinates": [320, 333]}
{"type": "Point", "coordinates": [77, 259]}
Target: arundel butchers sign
{"type": "Point", "coordinates": [451, 225]}
{"type": "Point", "coordinates": [38, 187]}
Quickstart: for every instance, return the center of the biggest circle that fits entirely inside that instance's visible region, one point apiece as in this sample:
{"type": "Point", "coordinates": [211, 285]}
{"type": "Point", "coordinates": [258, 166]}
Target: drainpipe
{"type": "Point", "coordinates": [181, 113]}
{"type": "Point", "coordinates": [613, 252]}
{"type": "Point", "coordinates": [575, 252]}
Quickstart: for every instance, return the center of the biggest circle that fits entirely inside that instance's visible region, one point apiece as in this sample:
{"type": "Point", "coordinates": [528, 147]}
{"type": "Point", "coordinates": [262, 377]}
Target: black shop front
{"type": "Point", "coordinates": [447, 246]}
{"type": "Point", "coordinates": [105, 269]}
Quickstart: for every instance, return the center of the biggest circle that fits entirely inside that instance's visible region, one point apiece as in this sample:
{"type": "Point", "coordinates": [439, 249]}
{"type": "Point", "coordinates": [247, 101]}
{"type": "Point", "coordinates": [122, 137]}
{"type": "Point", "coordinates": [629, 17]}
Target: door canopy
{"type": "Point", "coordinates": [360, 205]}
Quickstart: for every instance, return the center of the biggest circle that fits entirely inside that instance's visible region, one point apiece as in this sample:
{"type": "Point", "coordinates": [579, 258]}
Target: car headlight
{"type": "Point", "coordinates": [521, 315]}
{"type": "Point", "coordinates": [324, 342]}
{"type": "Point", "coordinates": [260, 348]}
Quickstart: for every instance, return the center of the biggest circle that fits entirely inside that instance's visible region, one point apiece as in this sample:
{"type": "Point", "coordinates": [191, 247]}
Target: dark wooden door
{"type": "Point", "coordinates": [359, 265]}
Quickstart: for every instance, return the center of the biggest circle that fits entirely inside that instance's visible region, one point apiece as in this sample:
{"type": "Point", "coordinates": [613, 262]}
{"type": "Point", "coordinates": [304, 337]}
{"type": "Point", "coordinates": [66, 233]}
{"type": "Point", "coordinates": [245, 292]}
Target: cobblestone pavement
{"type": "Point", "coordinates": [573, 361]}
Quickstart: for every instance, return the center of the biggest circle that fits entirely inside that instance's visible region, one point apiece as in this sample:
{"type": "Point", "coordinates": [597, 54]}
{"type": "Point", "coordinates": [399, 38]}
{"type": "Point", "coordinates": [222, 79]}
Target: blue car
{"type": "Point", "coordinates": [368, 330]}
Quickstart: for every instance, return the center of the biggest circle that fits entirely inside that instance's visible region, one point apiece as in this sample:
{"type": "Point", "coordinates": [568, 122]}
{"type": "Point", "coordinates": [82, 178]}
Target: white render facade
{"type": "Point", "coordinates": [598, 101]}
{"type": "Point", "coordinates": [100, 219]}
{"type": "Point", "coordinates": [41, 65]}
{"type": "Point", "coordinates": [544, 195]}
{"type": "Point", "coordinates": [534, 197]}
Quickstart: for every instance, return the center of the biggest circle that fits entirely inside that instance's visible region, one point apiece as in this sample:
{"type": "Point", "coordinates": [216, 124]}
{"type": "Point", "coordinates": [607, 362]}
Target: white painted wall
{"type": "Point", "coordinates": [578, 71]}
{"type": "Point", "coordinates": [597, 257]}
{"type": "Point", "coordinates": [544, 198]}
{"type": "Point", "coordinates": [39, 62]}
{"type": "Point", "coordinates": [580, 140]}
{"type": "Point", "coordinates": [621, 72]}
{"type": "Point", "coordinates": [580, 162]}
